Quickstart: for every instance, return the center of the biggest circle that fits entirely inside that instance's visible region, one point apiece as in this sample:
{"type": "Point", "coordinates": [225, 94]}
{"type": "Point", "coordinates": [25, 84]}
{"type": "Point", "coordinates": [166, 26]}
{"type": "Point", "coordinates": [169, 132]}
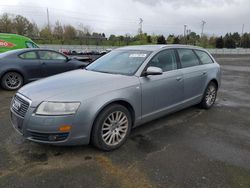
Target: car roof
{"type": "Point", "coordinates": [9, 35]}
{"type": "Point", "coordinates": [157, 47]}
{"type": "Point", "coordinates": [34, 49]}
{"type": "Point", "coordinates": [14, 53]}
{"type": "Point", "coordinates": [19, 51]}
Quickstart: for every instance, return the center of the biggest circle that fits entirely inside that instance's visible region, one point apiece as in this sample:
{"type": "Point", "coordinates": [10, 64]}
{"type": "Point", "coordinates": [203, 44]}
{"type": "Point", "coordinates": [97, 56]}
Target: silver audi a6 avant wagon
{"type": "Point", "coordinates": [123, 89]}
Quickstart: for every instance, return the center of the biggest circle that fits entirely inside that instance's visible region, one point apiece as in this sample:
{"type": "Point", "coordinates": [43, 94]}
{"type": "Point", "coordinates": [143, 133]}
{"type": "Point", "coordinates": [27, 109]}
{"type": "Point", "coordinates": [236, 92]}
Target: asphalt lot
{"type": "Point", "coordinates": [190, 148]}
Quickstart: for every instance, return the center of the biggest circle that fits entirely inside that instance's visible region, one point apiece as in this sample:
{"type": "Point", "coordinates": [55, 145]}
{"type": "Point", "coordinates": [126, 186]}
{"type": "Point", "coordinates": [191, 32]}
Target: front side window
{"type": "Point", "coordinates": [124, 62]}
{"type": "Point", "coordinates": [204, 57]}
{"type": "Point", "coordinates": [165, 60]}
{"type": "Point", "coordinates": [187, 58]}
{"type": "Point", "coordinates": [49, 55]}
{"type": "Point", "coordinates": [29, 55]}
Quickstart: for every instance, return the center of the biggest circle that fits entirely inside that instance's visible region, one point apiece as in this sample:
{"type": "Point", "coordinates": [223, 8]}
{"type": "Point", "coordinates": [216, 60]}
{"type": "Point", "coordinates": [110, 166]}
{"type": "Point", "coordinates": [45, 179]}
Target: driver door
{"type": "Point", "coordinates": [53, 63]}
{"type": "Point", "coordinates": [162, 93]}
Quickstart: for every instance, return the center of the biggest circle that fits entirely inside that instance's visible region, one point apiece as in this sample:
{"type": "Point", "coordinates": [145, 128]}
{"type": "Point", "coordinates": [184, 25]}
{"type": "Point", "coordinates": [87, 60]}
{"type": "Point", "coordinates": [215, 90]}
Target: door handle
{"type": "Point", "coordinates": [204, 72]}
{"type": "Point", "coordinates": [178, 78]}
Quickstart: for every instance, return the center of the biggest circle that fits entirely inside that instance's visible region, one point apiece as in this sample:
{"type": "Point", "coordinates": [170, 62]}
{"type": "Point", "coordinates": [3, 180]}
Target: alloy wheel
{"type": "Point", "coordinates": [210, 95]}
{"type": "Point", "coordinates": [114, 128]}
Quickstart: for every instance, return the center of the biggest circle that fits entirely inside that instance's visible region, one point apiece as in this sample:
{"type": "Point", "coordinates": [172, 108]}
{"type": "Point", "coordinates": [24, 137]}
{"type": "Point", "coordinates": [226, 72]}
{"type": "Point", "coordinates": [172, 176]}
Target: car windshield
{"type": "Point", "coordinates": [31, 45]}
{"type": "Point", "coordinates": [124, 62]}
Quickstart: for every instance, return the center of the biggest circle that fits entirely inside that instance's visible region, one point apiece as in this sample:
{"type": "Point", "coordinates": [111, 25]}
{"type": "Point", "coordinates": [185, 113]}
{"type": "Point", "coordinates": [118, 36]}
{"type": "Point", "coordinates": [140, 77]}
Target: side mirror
{"type": "Point", "coordinates": [68, 58]}
{"type": "Point", "coordinates": [153, 71]}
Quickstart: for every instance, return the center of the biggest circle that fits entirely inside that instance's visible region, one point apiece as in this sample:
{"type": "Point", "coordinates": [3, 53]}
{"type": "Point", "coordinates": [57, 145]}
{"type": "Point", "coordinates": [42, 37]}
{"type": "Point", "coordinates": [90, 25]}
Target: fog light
{"type": "Point", "coordinates": [52, 137]}
{"type": "Point", "coordinates": [65, 128]}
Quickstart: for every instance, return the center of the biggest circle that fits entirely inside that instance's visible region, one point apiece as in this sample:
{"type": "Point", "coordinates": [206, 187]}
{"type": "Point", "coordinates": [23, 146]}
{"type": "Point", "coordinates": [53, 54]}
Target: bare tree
{"type": "Point", "coordinates": [6, 24]}
{"type": "Point", "coordinates": [46, 34]}
{"type": "Point", "coordinates": [58, 31]}
{"type": "Point", "coordinates": [33, 31]}
{"type": "Point", "coordinates": [69, 32]}
{"type": "Point", "coordinates": [21, 25]}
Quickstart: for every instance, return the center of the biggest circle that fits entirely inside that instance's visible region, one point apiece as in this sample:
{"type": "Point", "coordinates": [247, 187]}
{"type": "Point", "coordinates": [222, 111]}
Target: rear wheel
{"type": "Point", "coordinates": [111, 127]}
{"type": "Point", "coordinates": [12, 81]}
{"type": "Point", "coordinates": [209, 96]}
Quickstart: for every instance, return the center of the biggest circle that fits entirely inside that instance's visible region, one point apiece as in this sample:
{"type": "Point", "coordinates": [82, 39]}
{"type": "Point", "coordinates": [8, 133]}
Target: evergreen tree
{"type": "Point", "coordinates": [161, 40]}
{"type": "Point", "coordinates": [219, 42]}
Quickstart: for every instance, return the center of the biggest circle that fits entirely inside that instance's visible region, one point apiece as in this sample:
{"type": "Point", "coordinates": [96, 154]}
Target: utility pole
{"type": "Point", "coordinates": [185, 29]}
{"type": "Point", "coordinates": [242, 31]}
{"type": "Point", "coordinates": [48, 19]}
{"type": "Point", "coordinates": [140, 26]}
{"type": "Point", "coordinates": [202, 27]}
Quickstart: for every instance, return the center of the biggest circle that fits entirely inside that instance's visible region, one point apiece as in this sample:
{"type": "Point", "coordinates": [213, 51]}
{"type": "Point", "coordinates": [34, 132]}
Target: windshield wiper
{"type": "Point", "coordinates": [103, 71]}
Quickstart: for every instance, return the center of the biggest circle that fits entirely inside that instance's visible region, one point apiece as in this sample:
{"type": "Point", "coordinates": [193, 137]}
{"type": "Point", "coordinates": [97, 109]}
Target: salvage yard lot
{"type": "Point", "coordinates": [190, 148]}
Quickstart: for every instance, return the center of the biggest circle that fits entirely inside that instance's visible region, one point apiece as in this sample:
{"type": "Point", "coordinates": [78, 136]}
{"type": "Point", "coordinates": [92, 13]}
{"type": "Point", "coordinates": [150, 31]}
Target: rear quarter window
{"type": "Point", "coordinates": [204, 57]}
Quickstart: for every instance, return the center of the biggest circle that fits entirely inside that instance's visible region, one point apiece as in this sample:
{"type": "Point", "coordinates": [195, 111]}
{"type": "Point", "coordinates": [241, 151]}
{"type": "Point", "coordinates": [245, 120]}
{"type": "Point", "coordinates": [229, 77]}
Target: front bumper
{"type": "Point", "coordinates": [45, 129]}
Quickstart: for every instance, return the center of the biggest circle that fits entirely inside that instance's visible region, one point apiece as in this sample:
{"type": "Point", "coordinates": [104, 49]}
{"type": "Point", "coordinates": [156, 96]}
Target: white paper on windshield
{"type": "Point", "coordinates": [137, 55]}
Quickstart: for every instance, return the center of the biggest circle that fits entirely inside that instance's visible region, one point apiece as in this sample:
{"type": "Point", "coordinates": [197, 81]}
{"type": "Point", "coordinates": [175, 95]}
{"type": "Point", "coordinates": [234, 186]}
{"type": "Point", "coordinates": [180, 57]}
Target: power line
{"type": "Point", "coordinates": [102, 21]}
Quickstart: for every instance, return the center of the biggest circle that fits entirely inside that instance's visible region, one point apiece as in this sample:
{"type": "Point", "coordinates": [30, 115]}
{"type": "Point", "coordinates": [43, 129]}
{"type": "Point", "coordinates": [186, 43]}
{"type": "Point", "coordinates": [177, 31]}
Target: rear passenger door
{"type": "Point", "coordinates": [194, 75]}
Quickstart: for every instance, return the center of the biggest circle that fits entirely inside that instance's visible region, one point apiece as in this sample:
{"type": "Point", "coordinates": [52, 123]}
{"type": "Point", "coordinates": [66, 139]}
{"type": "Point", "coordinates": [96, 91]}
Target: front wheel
{"type": "Point", "coordinates": [209, 96]}
{"type": "Point", "coordinates": [111, 127]}
{"type": "Point", "coordinates": [12, 81]}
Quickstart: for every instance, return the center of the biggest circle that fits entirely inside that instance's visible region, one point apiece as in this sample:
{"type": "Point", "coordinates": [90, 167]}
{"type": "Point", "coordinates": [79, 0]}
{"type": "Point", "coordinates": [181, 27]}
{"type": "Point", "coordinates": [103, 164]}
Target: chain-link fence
{"type": "Point", "coordinates": [82, 48]}
{"type": "Point", "coordinates": [230, 51]}
{"type": "Point", "coordinates": [77, 48]}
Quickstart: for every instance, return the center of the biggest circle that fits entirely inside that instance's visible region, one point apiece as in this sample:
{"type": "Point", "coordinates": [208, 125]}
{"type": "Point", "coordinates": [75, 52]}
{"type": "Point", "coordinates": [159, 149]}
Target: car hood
{"type": "Point", "coordinates": [75, 85]}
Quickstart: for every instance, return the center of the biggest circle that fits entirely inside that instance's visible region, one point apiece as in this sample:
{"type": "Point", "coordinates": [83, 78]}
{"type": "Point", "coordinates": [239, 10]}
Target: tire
{"type": "Point", "coordinates": [107, 133]}
{"type": "Point", "coordinates": [209, 96]}
{"type": "Point", "coordinates": [12, 81]}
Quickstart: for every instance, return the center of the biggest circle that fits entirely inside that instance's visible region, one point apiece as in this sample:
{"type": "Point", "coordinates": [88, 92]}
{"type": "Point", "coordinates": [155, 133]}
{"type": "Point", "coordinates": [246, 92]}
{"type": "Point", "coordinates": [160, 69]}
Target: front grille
{"type": "Point", "coordinates": [22, 107]}
{"type": "Point", "coordinates": [48, 136]}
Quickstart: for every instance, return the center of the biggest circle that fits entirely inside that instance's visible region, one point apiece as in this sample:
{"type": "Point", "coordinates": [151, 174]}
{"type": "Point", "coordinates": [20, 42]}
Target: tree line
{"type": "Point", "coordinates": [68, 34]}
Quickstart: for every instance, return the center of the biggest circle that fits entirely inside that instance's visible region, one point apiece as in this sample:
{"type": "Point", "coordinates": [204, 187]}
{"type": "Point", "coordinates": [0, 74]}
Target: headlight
{"type": "Point", "coordinates": [57, 108]}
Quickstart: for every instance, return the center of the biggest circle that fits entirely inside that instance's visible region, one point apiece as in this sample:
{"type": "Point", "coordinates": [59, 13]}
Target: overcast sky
{"type": "Point", "coordinates": [122, 16]}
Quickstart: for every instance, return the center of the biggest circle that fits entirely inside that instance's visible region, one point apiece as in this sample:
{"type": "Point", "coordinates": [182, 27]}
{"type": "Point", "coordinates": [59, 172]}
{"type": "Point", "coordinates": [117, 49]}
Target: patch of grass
{"type": "Point", "coordinates": [238, 177]}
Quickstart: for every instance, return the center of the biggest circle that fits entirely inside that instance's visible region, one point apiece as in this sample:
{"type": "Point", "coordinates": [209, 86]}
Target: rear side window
{"type": "Point", "coordinates": [49, 55]}
{"type": "Point", "coordinates": [165, 60]}
{"type": "Point", "coordinates": [187, 58]}
{"type": "Point", "coordinates": [204, 57]}
{"type": "Point", "coordinates": [28, 55]}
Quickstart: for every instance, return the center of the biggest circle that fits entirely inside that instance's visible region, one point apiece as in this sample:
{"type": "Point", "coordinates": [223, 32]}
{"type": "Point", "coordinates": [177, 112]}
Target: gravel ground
{"type": "Point", "coordinates": [190, 148]}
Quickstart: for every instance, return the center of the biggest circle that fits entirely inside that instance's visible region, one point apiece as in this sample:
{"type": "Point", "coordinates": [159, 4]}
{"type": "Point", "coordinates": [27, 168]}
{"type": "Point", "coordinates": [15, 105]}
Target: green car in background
{"type": "Point", "coordinates": [14, 41]}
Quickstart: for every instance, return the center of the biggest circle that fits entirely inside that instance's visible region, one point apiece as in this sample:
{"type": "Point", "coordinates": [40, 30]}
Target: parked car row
{"type": "Point", "coordinates": [18, 67]}
{"type": "Point", "coordinates": [102, 103]}
{"type": "Point", "coordinates": [86, 52]}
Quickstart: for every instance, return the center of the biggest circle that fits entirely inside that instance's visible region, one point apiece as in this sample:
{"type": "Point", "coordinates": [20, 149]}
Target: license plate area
{"type": "Point", "coordinates": [17, 122]}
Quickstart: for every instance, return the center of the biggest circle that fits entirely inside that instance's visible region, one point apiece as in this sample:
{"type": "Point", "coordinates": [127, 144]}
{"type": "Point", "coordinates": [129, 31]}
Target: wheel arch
{"type": "Point", "coordinates": [214, 81]}
{"type": "Point", "coordinates": [13, 70]}
{"type": "Point", "coordinates": [122, 102]}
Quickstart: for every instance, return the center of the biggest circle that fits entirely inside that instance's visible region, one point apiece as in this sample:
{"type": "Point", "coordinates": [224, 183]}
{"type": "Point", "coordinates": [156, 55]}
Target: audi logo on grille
{"type": "Point", "coordinates": [16, 105]}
